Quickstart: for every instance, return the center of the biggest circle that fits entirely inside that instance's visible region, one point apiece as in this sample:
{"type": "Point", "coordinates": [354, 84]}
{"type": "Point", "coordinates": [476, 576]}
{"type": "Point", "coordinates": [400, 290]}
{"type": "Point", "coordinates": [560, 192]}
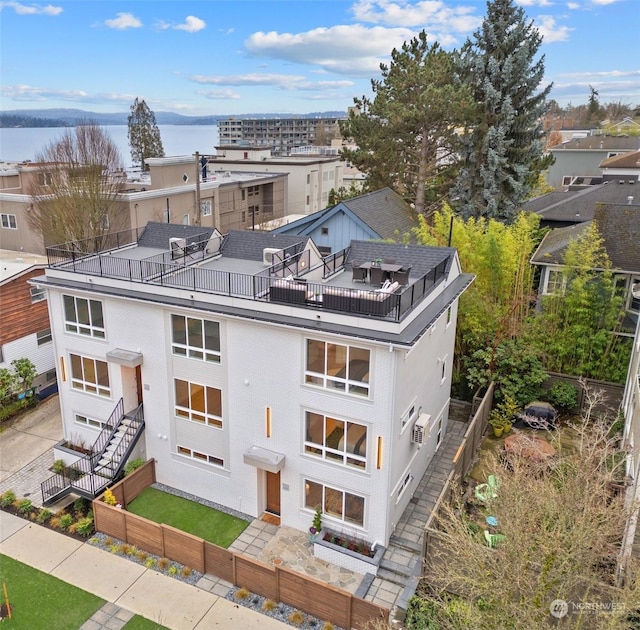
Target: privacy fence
{"type": "Point", "coordinates": [277, 583]}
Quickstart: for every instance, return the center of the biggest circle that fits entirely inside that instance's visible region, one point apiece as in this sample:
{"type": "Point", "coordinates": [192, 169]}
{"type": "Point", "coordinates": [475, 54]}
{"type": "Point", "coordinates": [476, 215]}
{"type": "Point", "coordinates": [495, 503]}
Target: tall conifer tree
{"type": "Point", "coordinates": [503, 145]}
{"type": "Point", "coordinates": [144, 135]}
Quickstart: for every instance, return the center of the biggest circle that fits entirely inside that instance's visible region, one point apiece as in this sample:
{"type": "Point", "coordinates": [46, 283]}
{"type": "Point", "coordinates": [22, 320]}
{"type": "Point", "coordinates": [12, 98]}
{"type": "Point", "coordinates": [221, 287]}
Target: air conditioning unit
{"type": "Point", "coordinates": [267, 255]}
{"type": "Point", "coordinates": [419, 432]}
{"type": "Point", "coordinates": [177, 246]}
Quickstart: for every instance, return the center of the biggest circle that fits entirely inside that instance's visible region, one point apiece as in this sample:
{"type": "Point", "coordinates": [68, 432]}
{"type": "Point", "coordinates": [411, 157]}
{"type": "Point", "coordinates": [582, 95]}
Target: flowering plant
{"type": "Point", "coordinates": [317, 522]}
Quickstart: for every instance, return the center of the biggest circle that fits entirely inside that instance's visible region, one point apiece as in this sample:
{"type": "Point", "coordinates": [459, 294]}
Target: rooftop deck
{"type": "Point", "coordinates": [297, 277]}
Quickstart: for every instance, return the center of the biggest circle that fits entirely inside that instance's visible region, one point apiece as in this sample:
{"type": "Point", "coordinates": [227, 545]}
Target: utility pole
{"type": "Point", "coordinates": [198, 209]}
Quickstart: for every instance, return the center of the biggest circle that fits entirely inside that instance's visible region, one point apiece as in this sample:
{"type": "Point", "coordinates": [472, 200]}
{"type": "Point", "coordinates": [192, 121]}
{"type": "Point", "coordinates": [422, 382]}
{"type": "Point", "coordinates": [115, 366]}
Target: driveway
{"type": "Point", "coordinates": [26, 448]}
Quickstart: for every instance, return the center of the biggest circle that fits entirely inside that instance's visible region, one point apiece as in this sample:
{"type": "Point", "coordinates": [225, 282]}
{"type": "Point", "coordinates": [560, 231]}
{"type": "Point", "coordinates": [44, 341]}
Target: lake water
{"type": "Point", "coordinates": [18, 145]}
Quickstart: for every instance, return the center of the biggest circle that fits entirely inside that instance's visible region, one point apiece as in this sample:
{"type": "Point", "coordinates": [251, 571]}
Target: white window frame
{"type": "Point", "coordinates": [8, 221]}
{"type": "Point", "coordinates": [86, 329]}
{"type": "Point", "coordinates": [410, 414]}
{"type": "Point", "coordinates": [333, 515]}
{"type": "Point", "coordinates": [192, 350]}
{"type": "Point", "coordinates": [199, 417]}
{"type": "Point", "coordinates": [340, 456]}
{"type": "Point", "coordinates": [37, 294]}
{"type": "Point", "coordinates": [205, 208]}
{"type": "Point", "coordinates": [558, 286]}
{"type": "Point", "coordinates": [333, 382]}
{"type": "Point", "coordinates": [80, 382]}
{"type": "Point", "coordinates": [199, 456]}
{"type": "Point", "coordinates": [86, 421]}
{"type": "Point", "coordinates": [44, 336]}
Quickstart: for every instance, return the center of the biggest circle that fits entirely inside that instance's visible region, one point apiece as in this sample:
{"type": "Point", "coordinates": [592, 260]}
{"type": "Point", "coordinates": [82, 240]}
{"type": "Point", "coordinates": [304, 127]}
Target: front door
{"type": "Point", "coordinates": [139, 383]}
{"type": "Point", "coordinates": [273, 493]}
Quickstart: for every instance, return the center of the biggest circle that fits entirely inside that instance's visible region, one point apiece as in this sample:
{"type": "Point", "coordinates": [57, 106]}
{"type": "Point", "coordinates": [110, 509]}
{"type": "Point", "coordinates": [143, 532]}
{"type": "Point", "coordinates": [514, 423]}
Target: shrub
{"type": "Point", "coordinates": [142, 555]}
{"type": "Point", "coordinates": [125, 549]}
{"type": "Point", "coordinates": [108, 541]}
{"type": "Point", "coordinates": [327, 626]}
{"type": "Point", "coordinates": [58, 466]}
{"type": "Point", "coordinates": [84, 526]}
{"type": "Point", "coordinates": [24, 506]}
{"type": "Point", "coordinates": [66, 520]}
{"type": "Point", "coordinates": [242, 593]}
{"type": "Point", "coordinates": [186, 572]}
{"type": "Point", "coordinates": [7, 498]}
{"type": "Point", "coordinates": [109, 498]}
{"type": "Point", "coordinates": [173, 570]}
{"type": "Point", "coordinates": [296, 618]}
{"type": "Point", "coordinates": [422, 614]}
{"type": "Point", "coordinates": [563, 396]}
{"type": "Point", "coordinates": [73, 528]}
{"type": "Point", "coordinates": [133, 465]}
{"type": "Point", "coordinates": [44, 515]}
{"type": "Point", "coordinates": [268, 605]}
{"type": "Point", "coordinates": [80, 505]}
{"type": "Point", "coordinates": [163, 563]}
{"type": "Point", "coordinates": [150, 563]}
{"type": "Point", "coordinates": [55, 522]}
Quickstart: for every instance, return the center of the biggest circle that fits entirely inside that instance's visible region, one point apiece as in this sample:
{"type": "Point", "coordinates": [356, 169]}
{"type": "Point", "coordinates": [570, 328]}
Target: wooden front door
{"type": "Point", "coordinates": [139, 383]}
{"type": "Point", "coordinates": [273, 493]}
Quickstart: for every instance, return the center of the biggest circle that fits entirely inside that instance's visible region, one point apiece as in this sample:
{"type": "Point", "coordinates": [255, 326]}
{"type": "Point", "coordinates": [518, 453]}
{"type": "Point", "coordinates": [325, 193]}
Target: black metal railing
{"type": "Point", "coordinates": [334, 262]}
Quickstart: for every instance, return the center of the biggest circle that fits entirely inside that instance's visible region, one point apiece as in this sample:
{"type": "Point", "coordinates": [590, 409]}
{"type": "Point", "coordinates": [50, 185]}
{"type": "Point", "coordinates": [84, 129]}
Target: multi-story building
{"type": "Point", "coordinates": [270, 378]}
{"type": "Point", "coordinates": [278, 134]}
{"type": "Point", "coordinates": [176, 189]}
{"type": "Point", "coordinates": [310, 176]}
{"type": "Point", "coordinates": [25, 332]}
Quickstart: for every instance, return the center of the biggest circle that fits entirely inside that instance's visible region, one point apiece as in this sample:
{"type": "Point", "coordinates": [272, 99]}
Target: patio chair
{"type": "Point", "coordinates": [389, 261]}
{"type": "Point", "coordinates": [358, 273]}
{"type": "Point", "coordinates": [376, 277]}
{"type": "Point", "coordinates": [493, 539]}
{"type": "Point", "coordinates": [402, 276]}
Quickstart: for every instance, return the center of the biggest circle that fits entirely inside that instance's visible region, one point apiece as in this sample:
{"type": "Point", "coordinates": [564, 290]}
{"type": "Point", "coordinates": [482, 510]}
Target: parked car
{"type": "Point", "coordinates": [539, 415]}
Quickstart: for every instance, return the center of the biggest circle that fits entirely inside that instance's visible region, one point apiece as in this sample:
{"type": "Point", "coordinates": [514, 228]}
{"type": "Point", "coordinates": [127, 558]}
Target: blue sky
{"type": "Point", "coordinates": [237, 57]}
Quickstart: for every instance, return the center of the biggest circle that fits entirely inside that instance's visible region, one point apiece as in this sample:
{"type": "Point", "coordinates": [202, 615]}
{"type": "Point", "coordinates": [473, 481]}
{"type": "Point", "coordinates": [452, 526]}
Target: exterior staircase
{"type": "Point", "coordinates": [91, 474]}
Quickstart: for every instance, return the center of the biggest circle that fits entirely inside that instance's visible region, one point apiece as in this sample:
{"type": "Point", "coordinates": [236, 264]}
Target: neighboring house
{"type": "Point", "coordinates": [311, 176]}
{"type": "Point", "coordinates": [630, 409]}
{"type": "Point", "coordinates": [278, 134]}
{"type": "Point", "coordinates": [619, 227]}
{"type": "Point", "coordinates": [174, 190]}
{"type": "Point", "coordinates": [580, 158]}
{"type": "Point", "coordinates": [578, 203]}
{"type": "Point", "coordinates": [622, 168]}
{"type": "Point", "coordinates": [25, 332]}
{"type": "Point", "coordinates": [380, 215]}
{"type": "Point", "coordinates": [270, 378]}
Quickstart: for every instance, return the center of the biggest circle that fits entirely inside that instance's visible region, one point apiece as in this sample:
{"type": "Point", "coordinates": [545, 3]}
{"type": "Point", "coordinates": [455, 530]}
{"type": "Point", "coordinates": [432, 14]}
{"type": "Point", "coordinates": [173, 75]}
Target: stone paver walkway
{"type": "Point", "coordinates": [109, 617]}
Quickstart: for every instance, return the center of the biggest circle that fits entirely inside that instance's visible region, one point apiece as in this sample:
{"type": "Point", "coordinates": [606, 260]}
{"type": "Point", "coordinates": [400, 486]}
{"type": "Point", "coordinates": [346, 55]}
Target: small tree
{"type": "Point", "coordinates": [143, 134]}
{"type": "Point", "coordinates": [7, 384]}
{"type": "Point", "coordinates": [25, 372]}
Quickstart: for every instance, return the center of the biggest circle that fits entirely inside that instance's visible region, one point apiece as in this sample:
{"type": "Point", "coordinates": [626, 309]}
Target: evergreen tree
{"type": "Point", "coordinates": [405, 136]}
{"type": "Point", "coordinates": [143, 134]}
{"type": "Point", "coordinates": [503, 146]}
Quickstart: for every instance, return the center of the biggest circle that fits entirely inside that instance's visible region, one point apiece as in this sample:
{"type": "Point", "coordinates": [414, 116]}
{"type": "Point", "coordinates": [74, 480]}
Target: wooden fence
{"type": "Point", "coordinates": [612, 393]}
{"type": "Point", "coordinates": [277, 583]}
{"type": "Point", "coordinates": [462, 463]}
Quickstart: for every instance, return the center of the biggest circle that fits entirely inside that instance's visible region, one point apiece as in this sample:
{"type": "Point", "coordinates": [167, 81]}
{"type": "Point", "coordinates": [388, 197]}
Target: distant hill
{"type": "Point", "coordinates": [71, 117]}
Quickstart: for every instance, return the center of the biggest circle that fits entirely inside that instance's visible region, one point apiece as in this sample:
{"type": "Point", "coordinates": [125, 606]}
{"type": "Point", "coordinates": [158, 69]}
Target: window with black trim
{"type": "Point", "coordinates": [335, 440]}
{"type": "Point", "coordinates": [334, 502]}
{"type": "Point", "coordinates": [9, 221]}
{"type": "Point", "coordinates": [90, 375]}
{"type": "Point", "coordinates": [198, 403]}
{"type": "Point", "coordinates": [195, 338]}
{"type": "Point", "coordinates": [43, 336]}
{"type": "Point", "coordinates": [83, 317]}
{"type": "Point", "coordinates": [337, 367]}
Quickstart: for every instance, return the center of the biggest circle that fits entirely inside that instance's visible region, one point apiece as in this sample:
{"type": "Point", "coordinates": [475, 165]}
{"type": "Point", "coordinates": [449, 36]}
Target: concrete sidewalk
{"type": "Point", "coordinates": [132, 588]}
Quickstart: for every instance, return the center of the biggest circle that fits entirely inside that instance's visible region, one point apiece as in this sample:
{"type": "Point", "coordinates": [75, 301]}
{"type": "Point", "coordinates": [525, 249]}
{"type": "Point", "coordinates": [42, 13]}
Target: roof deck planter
{"type": "Point", "coordinates": [348, 552]}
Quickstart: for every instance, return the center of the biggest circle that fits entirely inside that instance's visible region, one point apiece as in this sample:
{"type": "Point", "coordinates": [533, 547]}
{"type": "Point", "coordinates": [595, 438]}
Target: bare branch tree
{"type": "Point", "coordinates": [76, 196]}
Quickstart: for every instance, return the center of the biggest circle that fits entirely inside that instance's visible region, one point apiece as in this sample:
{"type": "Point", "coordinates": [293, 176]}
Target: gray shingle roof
{"type": "Point", "coordinates": [620, 143]}
{"type": "Point", "coordinates": [551, 249]}
{"type": "Point", "coordinates": [157, 235]}
{"type": "Point", "coordinates": [385, 212]}
{"type": "Point", "coordinates": [248, 245]}
{"type": "Point", "coordinates": [630, 159]}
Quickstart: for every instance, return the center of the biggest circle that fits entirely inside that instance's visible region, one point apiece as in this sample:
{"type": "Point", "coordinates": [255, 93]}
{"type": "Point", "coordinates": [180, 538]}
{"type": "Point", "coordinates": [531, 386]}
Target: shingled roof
{"type": "Point", "coordinates": [604, 143]}
{"type": "Point", "coordinates": [248, 245]}
{"type": "Point", "coordinates": [630, 159]}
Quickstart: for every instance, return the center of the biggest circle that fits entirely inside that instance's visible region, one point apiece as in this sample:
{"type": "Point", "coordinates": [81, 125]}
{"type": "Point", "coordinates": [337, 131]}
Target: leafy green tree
{"type": "Point", "coordinates": [594, 111]}
{"type": "Point", "coordinates": [143, 134]}
{"type": "Point", "coordinates": [503, 144]}
{"type": "Point", "coordinates": [7, 384]}
{"type": "Point", "coordinates": [25, 372]}
{"type": "Point", "coordinates": [405, 137]}
{"type": "Point", "coordinates": [77, 196]}
{"type": "Point", "coordinates": [343, 193]}
{"type": "Point", "coordinates": [576, 327]}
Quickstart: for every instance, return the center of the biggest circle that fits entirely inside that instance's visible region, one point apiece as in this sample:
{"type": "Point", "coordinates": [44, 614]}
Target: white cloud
{"type": "Point", "coordinates": [603, 74]}
{"type": "Point", "coordinates": [603, 2]}
{"type": "Point", "coordinates": [283, 81]}
{"type": "Point", "coordinates": [573, 5]}
{"type": "Point", "coordinates": [550, 31]}
{"type": "Point", "coordinates": [220, 95]}
{"type": "Point", "coordinates": [533, 3]}
{"type": "Point", "coordinates": [191, 24]}
{"type": "Point", "coordinates": [123, 21]}
{"type": "Point", "coordinates": [344, 49]}
{"type": "Point", "coordinates": [31, 9]}
{"type": "Point", "coordinates": [427, 14]}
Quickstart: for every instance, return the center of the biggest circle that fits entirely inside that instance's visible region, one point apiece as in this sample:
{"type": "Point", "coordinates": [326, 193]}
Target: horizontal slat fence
{"type": "Point", "coordinates": [274, 582]}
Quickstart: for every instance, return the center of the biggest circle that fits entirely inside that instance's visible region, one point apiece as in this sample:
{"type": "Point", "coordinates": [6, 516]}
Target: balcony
{"type": "Point", "coordinates": [200, 266]}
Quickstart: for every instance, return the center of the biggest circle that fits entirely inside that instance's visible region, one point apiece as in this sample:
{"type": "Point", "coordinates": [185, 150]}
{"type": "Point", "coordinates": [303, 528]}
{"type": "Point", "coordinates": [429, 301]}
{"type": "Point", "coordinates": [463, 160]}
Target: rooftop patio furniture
{"type": "Point", "coordinates": [377, 276]}
{"type": "Point", "coordinates": [354, 301]}
{"type": "Point", "coordinates": [359, 273]}
{"type": "Point", "coordinates": [402, 276]}
{"type": "Point", "coordinates": [290, 292]}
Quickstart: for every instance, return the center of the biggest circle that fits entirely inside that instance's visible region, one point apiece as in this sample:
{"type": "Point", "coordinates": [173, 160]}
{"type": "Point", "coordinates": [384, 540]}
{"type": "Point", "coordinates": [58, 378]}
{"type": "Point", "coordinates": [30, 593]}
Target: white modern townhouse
{"type": "Point", "coordinates": [257, 373]}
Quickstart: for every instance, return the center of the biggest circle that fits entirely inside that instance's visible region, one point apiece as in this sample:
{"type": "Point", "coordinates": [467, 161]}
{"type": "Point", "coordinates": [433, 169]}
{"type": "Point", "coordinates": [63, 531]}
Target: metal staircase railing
{"type": "Point", "coordinates": [87, 476]}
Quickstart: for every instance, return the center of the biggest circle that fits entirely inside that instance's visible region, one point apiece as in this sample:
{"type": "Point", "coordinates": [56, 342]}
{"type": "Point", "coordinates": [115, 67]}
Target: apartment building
{"type": "Point", "coordinates": [278, 134]}
{"type": "Point", "coordinates": [269, 379]}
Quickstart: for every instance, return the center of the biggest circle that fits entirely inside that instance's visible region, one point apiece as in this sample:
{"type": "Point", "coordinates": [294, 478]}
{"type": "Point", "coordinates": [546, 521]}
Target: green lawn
{"type": "Point", "coordinates": [188, 516]}
{"type": "Point", "coordinates": [41, 602]}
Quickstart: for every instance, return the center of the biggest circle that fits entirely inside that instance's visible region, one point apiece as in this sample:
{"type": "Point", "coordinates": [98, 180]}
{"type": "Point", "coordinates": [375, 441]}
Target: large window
{"type": "Point", "coordinates": [198, 403]}
{"type": "Point", "coordinates": [37, 294]}
{"type": "Point", "coordinates": [43, 336]}
{"type": "Point", "coordinates": [9, 221]}
{"type": "Point", "coordinates": [90, 375]}
{"type": "Point", "coordinates": [195, 338]}
{"type": "Point", "coordinates": [555, 281]}
{"type": "Point", "coordinates": [336, 503]}
{"type": "Point", "coordinates": [339, 367]}
{"type": "Point", "coordinates": [83, 317]}
{"type": "Point", "coordinates": [336, 440]}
